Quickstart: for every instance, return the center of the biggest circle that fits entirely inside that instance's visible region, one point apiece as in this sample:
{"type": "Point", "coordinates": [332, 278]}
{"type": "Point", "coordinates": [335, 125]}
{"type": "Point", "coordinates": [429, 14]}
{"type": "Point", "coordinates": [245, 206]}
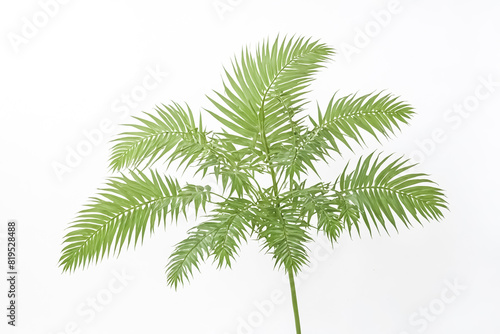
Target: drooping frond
{"type": "Point", "coordinates": [285, 235]}
{"type": "Point", "coordinates": [190, 252]}
{"type": "Point", "coordinates": [123, 212]}
{"type": "Point", "coordinates": [237, 217]}
{"type": "Point", "coordinates": [220, 237]}
{"type": "Point", "coordinates": [287, 242]}
{"type": "Point", "coordinates": [349, 212]}
{"type": "Point", "coordinates": [382, 191]}
{"type": "Point", "coordinates": [376, 114]}
{"type": "Point", "coordinates": [172, 130]}
{"type": "Point", "coordinates": [265, 85]}
{"type": "Point", "coordinates": [317, 201]}
{"type": "Point", "coordinates": [327, 210]}
{"type": "Point", "coordinates": [329, 220]}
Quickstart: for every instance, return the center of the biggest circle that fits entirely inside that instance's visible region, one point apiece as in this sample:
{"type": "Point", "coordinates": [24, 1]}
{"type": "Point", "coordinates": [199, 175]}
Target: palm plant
{"type": "Point", "coordinates": [260, 155]}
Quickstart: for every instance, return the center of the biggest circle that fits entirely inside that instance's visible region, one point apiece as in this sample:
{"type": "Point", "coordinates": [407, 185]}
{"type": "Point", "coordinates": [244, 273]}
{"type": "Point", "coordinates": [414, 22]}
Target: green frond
{"type": "Point", "coordinates": [285, 235]}
{"type": "Point", "coordinates": [329, 221]}
{"type": "Point", "coordinates": [236, 215]}
{"type": "Point", "coordinates": [190, 252]}
{"type": "Point", "coordinates": [122, 213]}
{"type": "Point", "coordinates": [349, 212]}
{"type": "Point", "coordinates": [376, 114]}
{"type": "Point", "coordinates": [220, 236]}
{"type": "Point", "coordinates": [287, 243]}
{"type": "Point", "coordinates": [172, 130]}
{"type": "Point", "coordinates": [383, 191]}
{"type": "Point", "coordinates": [316, 201]}
{"type": "Point", "coordinates": [262, 86]}
{"type": "Point", "coordinates": [328, 214]}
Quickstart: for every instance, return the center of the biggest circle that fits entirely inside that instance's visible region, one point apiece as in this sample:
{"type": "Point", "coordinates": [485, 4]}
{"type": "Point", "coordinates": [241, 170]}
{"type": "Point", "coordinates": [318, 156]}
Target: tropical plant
{"type": "Point", "coordinates": [260, 155]}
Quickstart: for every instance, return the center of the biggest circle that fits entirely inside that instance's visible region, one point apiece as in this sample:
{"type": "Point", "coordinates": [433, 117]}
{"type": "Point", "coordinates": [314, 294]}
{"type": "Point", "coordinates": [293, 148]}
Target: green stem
{"type": "Point", "coordinates": [276, 195]}
{"type": "Point", "coordinates": [294, 302]}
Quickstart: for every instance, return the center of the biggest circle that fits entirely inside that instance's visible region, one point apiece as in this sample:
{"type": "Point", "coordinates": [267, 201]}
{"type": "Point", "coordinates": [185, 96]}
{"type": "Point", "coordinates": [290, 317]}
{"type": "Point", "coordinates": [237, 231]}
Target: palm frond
{"type": "Point", "coordinates": [220, 236]}
{"type": "Point", "coordinates": [376, 114]}
{"type": "Point", "coordinates": [263, 85]}
{"type": "Point", "coordinates": [382, 191]}
{"type": "Point", "coordinates": [173, 129]}
{"type": "Point", "coordinates": [287, 242]}
{"type": "Point", "coordinates": [317, 201]}
{"type": "Point", "coordinates": [236, 215]}
{"type": "Point", "coordinates": [285, 234]}
{"type": "Point", "coordinates": [190, 252]}
{"type": "Point", "coordinates": [122, 213]}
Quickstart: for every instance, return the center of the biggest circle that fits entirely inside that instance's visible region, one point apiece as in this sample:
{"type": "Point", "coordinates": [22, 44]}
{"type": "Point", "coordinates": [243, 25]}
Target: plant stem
{"type": "Point", "coordinates": [294, 302]}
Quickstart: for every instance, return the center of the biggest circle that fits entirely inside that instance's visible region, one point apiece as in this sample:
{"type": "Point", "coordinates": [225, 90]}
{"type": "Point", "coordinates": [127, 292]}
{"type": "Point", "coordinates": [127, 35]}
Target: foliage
{"type": "Point", "coordinates": [265, 147]}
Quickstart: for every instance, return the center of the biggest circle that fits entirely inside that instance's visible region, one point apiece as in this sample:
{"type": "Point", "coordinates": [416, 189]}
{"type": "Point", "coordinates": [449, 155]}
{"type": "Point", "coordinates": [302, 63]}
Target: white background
{"type": "Point", "coordinates": [70, 74]}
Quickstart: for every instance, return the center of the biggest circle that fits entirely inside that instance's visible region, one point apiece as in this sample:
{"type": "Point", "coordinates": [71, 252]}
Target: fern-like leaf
{"type": "Point", "coordinates": [173, 129]}
{"type": "Point", "coordinates": [220, 236]}
{"type": "Point", "coordinates": [382, 191]}
{"type": "Point", "coordinates": [376, 114]}
{"type": "Point", "coordinates": [122, 213]}
{"type": "Point", "coordinates": [262, 86]}
{"type": "Point", "coordinates": [190, 252]}
{"type": "Point", "coordinates": [285, 234]}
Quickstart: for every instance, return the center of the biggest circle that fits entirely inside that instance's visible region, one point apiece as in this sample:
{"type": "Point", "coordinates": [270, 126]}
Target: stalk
{"type": "Point", "coordinates": [294, 302]}
{"type": "Point", "coordinates": [277, 204]}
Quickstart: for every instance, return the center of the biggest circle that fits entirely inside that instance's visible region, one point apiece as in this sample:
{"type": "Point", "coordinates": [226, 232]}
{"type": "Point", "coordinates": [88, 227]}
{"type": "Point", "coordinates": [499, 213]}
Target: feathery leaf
{"type": "Point", "coordinates": [123, 212]}
{"type": "Point", "coordinates": [382, 190]}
